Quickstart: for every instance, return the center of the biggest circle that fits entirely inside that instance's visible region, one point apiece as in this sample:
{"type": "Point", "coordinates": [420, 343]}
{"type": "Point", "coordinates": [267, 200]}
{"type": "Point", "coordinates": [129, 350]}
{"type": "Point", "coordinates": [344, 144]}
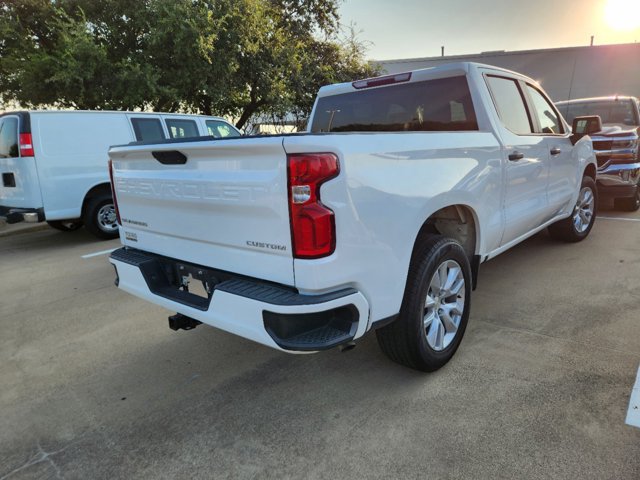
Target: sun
{"type": "Point", "coordinates": [623, 15]}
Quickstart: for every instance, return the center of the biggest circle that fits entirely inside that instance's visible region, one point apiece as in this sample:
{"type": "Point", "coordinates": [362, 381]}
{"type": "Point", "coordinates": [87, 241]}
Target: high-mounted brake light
{"type": "Point", "coordinates": [313, 228]}
{"type": "Point", "coordinates": [26, 145]}
{"type": "Point", "coordinates": [380, 81]}
{"type": "Point", "coordinates": [113, 193]}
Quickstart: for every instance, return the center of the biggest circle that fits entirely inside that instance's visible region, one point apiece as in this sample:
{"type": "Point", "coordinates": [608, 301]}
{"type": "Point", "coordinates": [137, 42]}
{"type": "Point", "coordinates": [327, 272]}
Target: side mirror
{"type": "Point", "coordinates": [586, 125]}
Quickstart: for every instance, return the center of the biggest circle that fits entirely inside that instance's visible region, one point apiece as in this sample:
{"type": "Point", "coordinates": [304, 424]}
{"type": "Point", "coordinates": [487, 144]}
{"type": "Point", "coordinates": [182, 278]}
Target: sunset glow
{"type": "Point", "coordinates": [623, 15]}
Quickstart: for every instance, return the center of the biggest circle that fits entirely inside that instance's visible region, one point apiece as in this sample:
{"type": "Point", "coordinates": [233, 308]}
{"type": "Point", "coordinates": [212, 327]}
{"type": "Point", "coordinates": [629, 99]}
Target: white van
{"type": "Point", "coordinates": [54, 163]}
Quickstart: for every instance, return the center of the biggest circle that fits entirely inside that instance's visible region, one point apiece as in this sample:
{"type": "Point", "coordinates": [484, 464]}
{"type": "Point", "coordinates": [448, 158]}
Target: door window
{"type": "Point", "coordinates": [182, 128]}
{"type": "Point", "coordinates": [9, 138]}
{"type": "Point", "coordinates": [147, 129]}
{"type": "Point", "coordinates": [220, 129]}
{"type": "Point", "coordinates": [547, 116]}
{"type": "Point", "coordinates": [510, 104]}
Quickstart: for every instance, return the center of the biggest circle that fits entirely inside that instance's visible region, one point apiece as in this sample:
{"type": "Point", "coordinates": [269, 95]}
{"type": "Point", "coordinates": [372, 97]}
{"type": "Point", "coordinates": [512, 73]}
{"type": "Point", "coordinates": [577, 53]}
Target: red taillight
{"type": "Point", "coordinates": [113, 193]}
{"type": "Point", "coordinates": [313, 227]}
{"type": "Point", "coordinates": [26, 145]}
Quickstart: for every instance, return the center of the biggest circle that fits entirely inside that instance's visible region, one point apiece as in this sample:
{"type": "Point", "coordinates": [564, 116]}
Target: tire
{"type": "Point", "coordinates": [628, 204]}
{"type": "Point", "coordinates": [66, 225]}
{"type": "Point", "coordinates": [577, 226]}
{"type": "Point", "coordinates": [100, 217]}
{"type": "Point", "coordinates": [423, 337]}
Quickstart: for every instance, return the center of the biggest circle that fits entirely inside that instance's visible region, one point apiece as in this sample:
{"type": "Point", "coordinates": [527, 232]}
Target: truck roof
{"type": "Point", "coordinates": [15, 112]}
{"type": "Point", "coordinates": [610, 98]}
{"type": "Point", "coordinates": [431, 73]}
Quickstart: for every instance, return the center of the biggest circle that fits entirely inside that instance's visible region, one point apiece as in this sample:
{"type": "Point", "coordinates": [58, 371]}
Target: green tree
{"type": "Point", "coordinates": [240, 58]}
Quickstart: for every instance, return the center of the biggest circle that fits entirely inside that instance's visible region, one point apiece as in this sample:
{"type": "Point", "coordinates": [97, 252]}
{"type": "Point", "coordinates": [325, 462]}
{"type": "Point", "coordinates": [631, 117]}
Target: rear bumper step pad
{"type": "Point", "coordinates": [291, 328]}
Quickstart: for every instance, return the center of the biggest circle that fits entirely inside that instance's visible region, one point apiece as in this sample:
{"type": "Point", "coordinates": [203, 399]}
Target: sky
{"type": "Point", "coordinates": [397, 29]}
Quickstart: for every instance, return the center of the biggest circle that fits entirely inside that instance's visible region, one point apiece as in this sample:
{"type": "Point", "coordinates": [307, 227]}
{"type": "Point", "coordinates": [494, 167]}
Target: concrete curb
{"type": "Point", "coordinates": [7, 230]}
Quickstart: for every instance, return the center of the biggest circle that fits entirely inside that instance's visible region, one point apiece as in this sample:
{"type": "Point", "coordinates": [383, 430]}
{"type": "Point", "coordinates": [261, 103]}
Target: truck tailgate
{"type": "Point", "coordinates": [225, 208]}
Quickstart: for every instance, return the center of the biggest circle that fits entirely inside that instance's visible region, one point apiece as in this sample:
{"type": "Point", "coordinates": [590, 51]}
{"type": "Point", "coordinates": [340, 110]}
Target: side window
{"type": "Point", "coordinates": [182, 128]}
{"type": "Point", "coordinates": [510, 104]}
{"type": "Point", "coordinates": [549, 121]}
{"type": "Point", "coordinates": [147, 129]}
{"type": "Point", "coordinates": [9, 138]}
{"type": "Point", "coordinates": [219, 129]}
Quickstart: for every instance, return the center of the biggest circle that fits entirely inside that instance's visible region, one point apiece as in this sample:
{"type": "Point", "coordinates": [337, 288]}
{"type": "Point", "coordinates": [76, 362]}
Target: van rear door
{"type": "Point", "coordinates": [19, 185]}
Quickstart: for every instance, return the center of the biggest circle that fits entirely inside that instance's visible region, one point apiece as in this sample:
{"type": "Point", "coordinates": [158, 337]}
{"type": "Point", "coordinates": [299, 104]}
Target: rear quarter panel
{"type": "Point", "coordinates": [389, 184]}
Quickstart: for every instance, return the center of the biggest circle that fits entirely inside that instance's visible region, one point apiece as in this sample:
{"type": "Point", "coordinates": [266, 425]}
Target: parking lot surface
{"type": "Point", "coordinates": [95, 385]}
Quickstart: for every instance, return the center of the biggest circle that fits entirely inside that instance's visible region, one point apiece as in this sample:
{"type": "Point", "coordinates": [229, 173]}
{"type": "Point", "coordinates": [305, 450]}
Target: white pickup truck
{"type": "Point", "coordinates": [377, 218]}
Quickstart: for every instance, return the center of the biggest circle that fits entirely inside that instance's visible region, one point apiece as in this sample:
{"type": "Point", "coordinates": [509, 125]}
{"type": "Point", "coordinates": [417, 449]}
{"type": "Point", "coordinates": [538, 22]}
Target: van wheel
{"type": "Point", "coordinates": [66, 225]}
{"type": "Point", "coordinates": [100, 217]}
{"type": "Point", "coordinates": [576, 227]}
{"type": "Point", "coordinates": [435, 307]}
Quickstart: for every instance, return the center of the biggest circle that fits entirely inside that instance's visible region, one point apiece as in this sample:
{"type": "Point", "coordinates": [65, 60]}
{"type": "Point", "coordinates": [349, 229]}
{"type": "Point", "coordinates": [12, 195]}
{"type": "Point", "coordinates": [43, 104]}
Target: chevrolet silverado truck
{"type": "Point", "coordinates": [616, 146]}
{"type": "Point", "coordinates": [376, 218]}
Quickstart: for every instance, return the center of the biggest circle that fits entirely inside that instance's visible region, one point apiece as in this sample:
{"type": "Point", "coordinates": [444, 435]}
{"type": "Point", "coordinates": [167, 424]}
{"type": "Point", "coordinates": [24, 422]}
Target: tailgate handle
{"type": "Point", "coordinates": [170, 157]}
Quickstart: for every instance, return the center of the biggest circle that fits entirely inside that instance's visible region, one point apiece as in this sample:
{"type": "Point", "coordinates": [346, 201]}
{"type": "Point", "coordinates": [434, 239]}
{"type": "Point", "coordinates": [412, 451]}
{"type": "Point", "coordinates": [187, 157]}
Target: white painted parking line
{"type": "Point", "coordinates": [633, 414]}
{"type": "Point", "coordinates": [619, 218]}
{"type": "Point", "coordinates": [97, 254]}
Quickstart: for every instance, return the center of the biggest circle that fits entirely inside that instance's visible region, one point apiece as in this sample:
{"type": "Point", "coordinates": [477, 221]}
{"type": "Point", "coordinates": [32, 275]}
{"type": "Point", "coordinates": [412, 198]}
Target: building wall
{"type": "Point", "coordinates": [565, 73]}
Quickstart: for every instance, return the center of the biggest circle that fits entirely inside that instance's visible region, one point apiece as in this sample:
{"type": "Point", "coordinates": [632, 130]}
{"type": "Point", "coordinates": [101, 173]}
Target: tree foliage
{"type": "Point", "coordinates": [242, 58]}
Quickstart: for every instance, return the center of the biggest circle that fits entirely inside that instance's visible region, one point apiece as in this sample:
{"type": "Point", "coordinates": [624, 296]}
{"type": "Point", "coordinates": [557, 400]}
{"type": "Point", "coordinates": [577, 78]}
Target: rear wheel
{"type": "Point", "coordinates": [100, 217]}
{"type": "Point", "coordinates": [435, 308]}
{"type": "Point", "coordinates": [576, 227]}
{"type": "Point", "coordinates": [65, 225]}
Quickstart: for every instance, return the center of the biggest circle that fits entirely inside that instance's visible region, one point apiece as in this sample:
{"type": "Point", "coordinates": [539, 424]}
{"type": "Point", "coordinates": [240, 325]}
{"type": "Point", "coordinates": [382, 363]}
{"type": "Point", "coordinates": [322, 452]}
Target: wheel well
{"type": "Point", "coordinates": [103, 188]}
{"type": "Point", "coordinates": [455, 221]}
{"type": "Point", "coordinates": [590, 171]}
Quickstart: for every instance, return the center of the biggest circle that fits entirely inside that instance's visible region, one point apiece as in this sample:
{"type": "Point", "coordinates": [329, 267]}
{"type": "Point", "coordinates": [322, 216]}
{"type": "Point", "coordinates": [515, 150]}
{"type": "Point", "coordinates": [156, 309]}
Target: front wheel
{"type": "Point", "coordinates": [100, 217]}
{"type": "Point", "coordinates": [576, 227]}
{"type": "Point", "coordinates": [435, 308]}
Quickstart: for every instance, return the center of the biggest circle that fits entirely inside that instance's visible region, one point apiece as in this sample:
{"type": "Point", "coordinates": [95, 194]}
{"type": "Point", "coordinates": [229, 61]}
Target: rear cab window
{"type": "Point", "coordinates": [182, 128]}
{"type": "Point", "coordinates": [426, 106]}
{"type": "Point", "coordinates": [9, 138]}
{"type": "Point", "coordinates": [147, 129]}
{"type": "Point", "coordinates": [220, 129]}
{"type": "Point", "coordinates": [510, 104]}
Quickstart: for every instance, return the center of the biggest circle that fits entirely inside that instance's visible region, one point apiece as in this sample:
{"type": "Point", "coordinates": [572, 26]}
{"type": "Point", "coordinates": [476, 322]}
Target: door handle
{"type": "Point", "coordinates": [555, 151]}
{"type": "Point", "coordinates": [516, 156]}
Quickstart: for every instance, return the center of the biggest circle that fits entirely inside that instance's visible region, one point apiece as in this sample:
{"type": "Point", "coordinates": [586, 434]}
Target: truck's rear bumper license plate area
{"type": "Point", "coordinates": [274, 315]}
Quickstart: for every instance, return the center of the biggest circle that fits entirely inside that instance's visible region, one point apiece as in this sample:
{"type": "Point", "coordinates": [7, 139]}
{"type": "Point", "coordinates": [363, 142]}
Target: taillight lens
{"type": "Point", "coordinates": [26, 145]}
{"type": "Point", "coordinates": [313, 227]}
{"type": "Point", "coordinates": [113, 193]}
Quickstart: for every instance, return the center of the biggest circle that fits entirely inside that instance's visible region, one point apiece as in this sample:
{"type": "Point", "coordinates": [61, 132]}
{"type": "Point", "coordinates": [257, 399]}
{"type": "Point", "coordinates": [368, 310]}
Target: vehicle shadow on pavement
{"type": "Point", "coordinates": [538, 389]}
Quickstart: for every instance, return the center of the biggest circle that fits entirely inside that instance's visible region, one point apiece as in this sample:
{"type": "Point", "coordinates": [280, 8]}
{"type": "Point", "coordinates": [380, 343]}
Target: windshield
{"type": "Point", "coordinates": [611, 111]}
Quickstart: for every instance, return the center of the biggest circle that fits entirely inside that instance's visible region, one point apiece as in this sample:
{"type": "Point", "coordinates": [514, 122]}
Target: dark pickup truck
{"type": "Point", "coordinates": [616, 146]}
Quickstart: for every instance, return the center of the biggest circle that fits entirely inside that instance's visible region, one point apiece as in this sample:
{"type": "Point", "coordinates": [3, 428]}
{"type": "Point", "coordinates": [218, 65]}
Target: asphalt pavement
{"type": "Point", "coordinates": [94, 385]}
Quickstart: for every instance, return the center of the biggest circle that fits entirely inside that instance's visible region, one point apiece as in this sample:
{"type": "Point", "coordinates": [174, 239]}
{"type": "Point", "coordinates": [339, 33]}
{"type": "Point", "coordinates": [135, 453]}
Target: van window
{"type": "Point", "coordinates": [220, 129]}
{"type": "Point", "coordinates": [510, 104]}
{"type": "Point", "coordinates": [182, 128]}
{"type": "Point", "coordinates": [147, 129]}
{"type": "Point", "coordinates": [9, 138]}
{"type": "Point", "coordinates": [434, 105]}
